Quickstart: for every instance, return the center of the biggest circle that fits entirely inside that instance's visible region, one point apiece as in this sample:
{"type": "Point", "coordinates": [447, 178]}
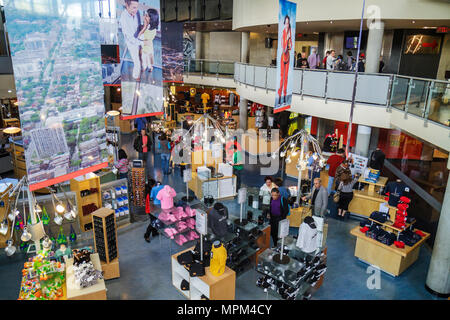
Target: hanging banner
{"type": "Point", "coordinates": [172, 51]}
{"type": "Point", "coordinates": [140, 57]}
{"type": "Point", "coordinates": [55, 51]}
{"type": "Point", "coordinates": [285, 55]}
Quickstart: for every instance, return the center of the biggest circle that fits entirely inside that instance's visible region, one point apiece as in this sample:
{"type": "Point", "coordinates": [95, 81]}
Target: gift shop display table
{"type": "Point", "coordinates": [390, 259]}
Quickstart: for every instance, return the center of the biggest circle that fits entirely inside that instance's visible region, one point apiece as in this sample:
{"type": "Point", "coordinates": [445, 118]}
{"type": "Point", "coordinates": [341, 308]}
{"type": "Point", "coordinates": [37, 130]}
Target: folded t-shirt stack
{"type": "Point", "coordinates": [167, 218]}
{"type": "Point", "coordinates": [170, 232]}
{"type": "Point", "coordinates": [190, 223]}
{"type": "Point", "coordinates": [192, 235]}
{"type": "Point", "coordinates": [181, 226]}
{"type": "Point", "coordinates": [180, 239]}
{"type": "Point", "coordinates": [190, 212]}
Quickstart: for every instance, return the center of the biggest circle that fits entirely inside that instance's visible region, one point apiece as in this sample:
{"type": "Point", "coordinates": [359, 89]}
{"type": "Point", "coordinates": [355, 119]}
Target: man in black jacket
{"type": "Point", "coordinates": [377, 159]}
{"type": "Point", "coordinates": [278, 210]}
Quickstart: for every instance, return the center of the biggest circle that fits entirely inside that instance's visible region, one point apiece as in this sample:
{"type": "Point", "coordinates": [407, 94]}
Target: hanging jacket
{"type": "Point", "coordinates": [166, 196]}
{"type": "Point", "coordinates": [217, 219]}
{"type": "Point", "coordinates": [307, 238]}
{"type": "Point", "coordinates": [218, 260]}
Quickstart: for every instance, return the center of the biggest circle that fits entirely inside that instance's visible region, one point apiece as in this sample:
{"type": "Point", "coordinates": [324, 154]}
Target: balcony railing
{"type": "Point", "coordinates": [425, 98]}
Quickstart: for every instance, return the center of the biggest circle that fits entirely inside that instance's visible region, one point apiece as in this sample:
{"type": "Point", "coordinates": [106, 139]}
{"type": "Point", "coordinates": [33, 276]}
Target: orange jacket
{"type": "Point", "coordinates": [287, 46]}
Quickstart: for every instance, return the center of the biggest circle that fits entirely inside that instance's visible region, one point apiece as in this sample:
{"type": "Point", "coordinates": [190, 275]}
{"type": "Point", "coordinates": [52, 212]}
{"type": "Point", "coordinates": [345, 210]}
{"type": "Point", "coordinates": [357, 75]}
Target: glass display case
{"type": "Point", "coordinates": [295, 279]}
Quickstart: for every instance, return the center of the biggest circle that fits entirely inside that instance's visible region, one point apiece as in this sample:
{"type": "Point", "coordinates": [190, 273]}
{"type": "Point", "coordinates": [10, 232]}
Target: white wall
{"type": "Point", "coordinates": [247, 13]}
{"type": "Point", "coordinates": [7, 83]}
{"type": "Point", "coordinates": [223, 46]}
{"type": "Point", "coordinates": [209, 81]}
{"type": "Point", "coordinates": [259, 54]}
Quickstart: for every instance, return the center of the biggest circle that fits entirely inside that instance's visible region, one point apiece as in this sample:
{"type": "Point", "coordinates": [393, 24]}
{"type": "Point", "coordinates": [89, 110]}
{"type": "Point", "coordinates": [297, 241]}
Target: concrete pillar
{"type": "Point", "coordinates": [438, 278]}
{"type": "Point", "coordinates": [374, 46]}
{"type": "Point", "coordinates": [245, 47]}
{"type": "Point", "coordinates": [363, 140]}
{"type": "Point", "coordinates": [243, 113]}
{"type": "Point", "coordinates": [107, 97]}
{"type": "Point", "coordinates": [199, 52]}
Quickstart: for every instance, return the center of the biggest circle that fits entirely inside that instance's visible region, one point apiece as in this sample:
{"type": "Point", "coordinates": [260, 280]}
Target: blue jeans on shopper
{"type": "Point", "coordinates": [330, 184]}
{"type": "Point", "coordinates": [165, 162]}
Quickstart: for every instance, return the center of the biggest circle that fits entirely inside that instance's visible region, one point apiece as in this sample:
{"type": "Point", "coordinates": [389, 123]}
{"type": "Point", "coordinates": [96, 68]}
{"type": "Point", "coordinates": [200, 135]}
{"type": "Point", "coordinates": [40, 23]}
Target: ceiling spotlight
{"type": "Point", "coordinates": [331, 21]}
{"type": "Point", "coordinates": [118, 89]}
{"type": "Point", "coordinates": [9, 91]}
{"type": "Point", "coordinates": [414, 21]}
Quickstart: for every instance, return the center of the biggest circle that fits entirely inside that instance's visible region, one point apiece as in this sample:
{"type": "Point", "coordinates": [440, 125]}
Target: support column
{"type": "Point", "coordinates": [363, 140]}
{"type": "Point", "coordinates": [438, 278]}
{"type": "Point", "coordinates": [243, 113]}
{"type": "Point", "coordinates": [199, 45]}
{"type": "Point", "coordinates": [107, 98]}
{"type": "Point", "coordinates": [245, 47]}
{"type": "Point", "coordinates": [374, 45]}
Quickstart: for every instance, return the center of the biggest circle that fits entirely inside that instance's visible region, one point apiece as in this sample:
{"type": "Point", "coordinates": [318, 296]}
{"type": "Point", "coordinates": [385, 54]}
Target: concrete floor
{"type": "Point", "coordinates": [145, 268]}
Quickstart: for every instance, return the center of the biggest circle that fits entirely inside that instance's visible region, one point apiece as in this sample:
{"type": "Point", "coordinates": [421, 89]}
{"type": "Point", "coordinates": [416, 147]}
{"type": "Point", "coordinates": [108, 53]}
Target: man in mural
{"type": "Point", "coordinates": [285, 57]}
{"type": "Point", "coordinates": [130, 22]}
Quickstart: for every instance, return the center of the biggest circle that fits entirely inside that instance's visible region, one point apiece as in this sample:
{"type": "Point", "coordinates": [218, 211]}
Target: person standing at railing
{"type": "Point", "coordinates": [361, 63]}
{"type": "Point", "coordinates": [331, 60]}
{"type": "Point", "coordinates": [324, 61]}
{"type": "Point", "coordinates": [314, 59]}
{"type": "Point", "coordinates": [285, 57]}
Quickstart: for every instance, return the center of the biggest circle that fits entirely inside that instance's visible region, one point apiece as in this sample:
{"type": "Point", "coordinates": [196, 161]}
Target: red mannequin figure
{"type": "Point", "coordinates": [286, 45]}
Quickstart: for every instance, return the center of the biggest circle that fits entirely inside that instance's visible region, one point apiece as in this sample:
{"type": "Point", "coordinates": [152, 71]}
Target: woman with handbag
{"type": "Point", "coordinates": [345, 193]}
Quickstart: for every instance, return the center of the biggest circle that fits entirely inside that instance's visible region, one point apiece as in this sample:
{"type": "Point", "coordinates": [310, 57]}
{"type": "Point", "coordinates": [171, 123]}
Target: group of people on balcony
{"type": "Point", "coordinates": [333, 62]}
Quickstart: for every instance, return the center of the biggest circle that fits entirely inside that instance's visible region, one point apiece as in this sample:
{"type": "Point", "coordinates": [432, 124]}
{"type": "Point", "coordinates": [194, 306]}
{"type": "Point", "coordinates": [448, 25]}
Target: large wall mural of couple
{"type": "Point", "coordinates": [140, 55]}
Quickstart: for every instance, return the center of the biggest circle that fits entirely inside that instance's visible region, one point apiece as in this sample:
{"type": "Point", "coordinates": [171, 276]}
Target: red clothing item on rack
{"type": "Point", "coordinates": [334, 161]}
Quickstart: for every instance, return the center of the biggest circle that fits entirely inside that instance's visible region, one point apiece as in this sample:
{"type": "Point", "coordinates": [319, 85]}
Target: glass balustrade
{"type": "Point", "coordinates": [421, 97]}
{"type": "Point", "coordinates": [439, 110]}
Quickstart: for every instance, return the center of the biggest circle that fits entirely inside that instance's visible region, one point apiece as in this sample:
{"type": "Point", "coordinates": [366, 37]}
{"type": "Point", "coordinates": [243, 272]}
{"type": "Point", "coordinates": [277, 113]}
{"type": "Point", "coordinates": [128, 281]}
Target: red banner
{"type": "Point", "coordinates": [397, 145]}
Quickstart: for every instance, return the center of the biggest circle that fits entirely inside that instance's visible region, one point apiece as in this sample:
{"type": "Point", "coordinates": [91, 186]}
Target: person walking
{"type": "Point", "coordinates": [151, 230]}
{"type": "Point", "coordinates": [334, 162]}
{"type": "Point", "coordinates": [164, 146]}
{"type": "Point", "coordinates": [344, 168]}
{"type": "Point", "coordinates": [350, 60]}
{"type": "Point", "coordinates": [122, 164]}
{"type": "Point", "coordinates": [319, 198]}
{"type": "Point", "coordinates": [346, 193]}
{"type": "Point", "coordinates": [278, 210]}
{"type": "Point", "coordinates": [314, 59]}
{"type": "Point", "coordinates": [315, 169]}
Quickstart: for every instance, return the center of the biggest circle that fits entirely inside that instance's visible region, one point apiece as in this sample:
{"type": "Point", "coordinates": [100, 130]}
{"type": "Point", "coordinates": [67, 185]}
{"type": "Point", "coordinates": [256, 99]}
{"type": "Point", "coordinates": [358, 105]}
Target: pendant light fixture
{"type": "Point", "coordinates": [10, 249]}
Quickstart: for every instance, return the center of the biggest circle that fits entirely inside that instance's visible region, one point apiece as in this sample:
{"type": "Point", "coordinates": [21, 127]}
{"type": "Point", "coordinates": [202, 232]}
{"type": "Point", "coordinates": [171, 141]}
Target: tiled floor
{"type": "Point", "coordinates": [145, 267]}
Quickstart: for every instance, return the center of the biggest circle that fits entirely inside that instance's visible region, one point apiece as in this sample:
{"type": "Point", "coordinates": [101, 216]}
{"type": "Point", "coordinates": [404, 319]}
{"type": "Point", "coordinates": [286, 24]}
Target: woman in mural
{"type": "Point", "coordinates": [286, 44]}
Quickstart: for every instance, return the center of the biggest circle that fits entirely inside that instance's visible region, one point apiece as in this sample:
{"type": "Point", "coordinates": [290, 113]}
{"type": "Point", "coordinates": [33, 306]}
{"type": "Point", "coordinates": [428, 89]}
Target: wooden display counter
{"type": "Point", "coordinates": [221, 287]}
{"type": "Point", "coordinates": [182, 116]}
{"type": "Point", "coordinates": [255, 145]}
{"type": "Point", "coordinates": [374, 186]}
{"type": "Point", "coordinates": [390, 259]}
{"type": "Point", "coordinates": [224, 184]}
{"type": "Point", "coordinates": [13, 122]}
{"type": "Point", "coordinates": [364, 204]}
{"type": "Point", "coordinates": [263, 242]}
{"type": "Point", "coordinates": [298, 215]}
{"type": "Point", "coordinates": [95, 292]}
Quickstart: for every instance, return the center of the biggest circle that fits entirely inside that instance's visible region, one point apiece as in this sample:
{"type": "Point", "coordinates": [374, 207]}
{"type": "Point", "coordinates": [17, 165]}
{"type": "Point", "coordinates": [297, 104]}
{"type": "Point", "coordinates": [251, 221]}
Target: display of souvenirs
{"type": "Point", "coordinates": [42, 278]}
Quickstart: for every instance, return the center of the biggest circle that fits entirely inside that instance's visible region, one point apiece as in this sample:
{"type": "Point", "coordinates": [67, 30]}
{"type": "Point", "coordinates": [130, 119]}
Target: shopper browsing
{"type": "Point", "coordinates": [331, 60]}
{"type": "Point", "coordinates": [265, 192]}
{"type": "Point", "coordinates": [151, 230]}
{"type": "Point", "coordinates": [344, 167]}
{"type": "Point", "coordinates": [237, 165]}
{"type": "Point", "coordinates": [164, 146]}
{"type": "Point", "coordinates": [122, 164]}
{"type": "Point", "coordinates": [319, 198]}
{"type": "Point", "coordinates": [346, 193]}
{"type": "Point", "coordinates": [278, 210]}
{"type": "Point", "coordinates": [334, 162]}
